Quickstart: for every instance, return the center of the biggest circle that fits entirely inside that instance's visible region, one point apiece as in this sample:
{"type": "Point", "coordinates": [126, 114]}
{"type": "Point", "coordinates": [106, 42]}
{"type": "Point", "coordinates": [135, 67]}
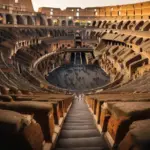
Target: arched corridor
{"type": "Point", "coordinates": [42, 21]}
{"type": "Point", "coordinates": [70, 23]}
{"type": "Point", "coordinates": [9, 19]}
{"type": "Point", "coordinates": [50, 22]}
{"type": "Point", "coordinates": [29, 20]}
{"type": "Point", "coordinates": [20, 20]}
{"type": "Point", "coordinates": [94, 23]}
{"type": "Point", "coordinates": [77, 24]}
{"type": "Point", "coordinates": [63, 23]}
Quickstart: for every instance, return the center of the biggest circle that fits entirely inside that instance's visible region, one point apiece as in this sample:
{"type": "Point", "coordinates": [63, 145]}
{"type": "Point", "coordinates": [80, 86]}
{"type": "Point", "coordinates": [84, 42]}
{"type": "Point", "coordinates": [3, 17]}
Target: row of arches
{"type": "Point", "coordinates": [30, 20]}
{"type": "Point", "coordinates": [22, 20]}
{"type": "Point", "coordinates": [38, 20]}
{"type": "Point", "coordinates": [69, 22]}
{"type": "Point", "coordinates": [123, 24]}
{"type": "Point", "coordinates": [58, 22]}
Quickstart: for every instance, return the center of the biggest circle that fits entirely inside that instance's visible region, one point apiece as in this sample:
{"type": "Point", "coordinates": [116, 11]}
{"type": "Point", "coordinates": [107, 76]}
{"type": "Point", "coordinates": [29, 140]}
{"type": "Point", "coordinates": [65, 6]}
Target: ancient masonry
{"type": "Point", "coordinates": [74, 79]}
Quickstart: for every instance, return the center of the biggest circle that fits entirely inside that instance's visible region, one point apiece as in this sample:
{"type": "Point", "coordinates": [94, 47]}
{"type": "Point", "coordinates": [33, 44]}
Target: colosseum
{"type": "Point", "coordinates": [74, 78]}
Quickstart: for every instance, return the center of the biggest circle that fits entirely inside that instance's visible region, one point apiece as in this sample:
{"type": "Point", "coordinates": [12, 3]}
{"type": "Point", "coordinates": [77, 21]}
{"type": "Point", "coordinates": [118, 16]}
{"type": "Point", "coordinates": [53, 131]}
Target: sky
{"type": "Point", "coordinates": [79, 3]}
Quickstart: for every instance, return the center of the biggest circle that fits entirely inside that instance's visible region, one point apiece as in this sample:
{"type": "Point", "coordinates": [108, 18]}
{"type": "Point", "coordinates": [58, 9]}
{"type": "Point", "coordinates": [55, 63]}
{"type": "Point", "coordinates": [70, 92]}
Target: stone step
{"type": "Point", "coordinates": [83, 148]}
{"type": "Point", "coordinates": [81, 142]}
{"type": "Point", "coordinates": [83, 117]}
{"type": "Point", "coordinates": [78, 121]}
{"type": "Point", "coordinates": [81, 123]}
{"type": "Point", "coordinates": [79, 127]}
{"type": "Point", "coordinates": [79, 133]}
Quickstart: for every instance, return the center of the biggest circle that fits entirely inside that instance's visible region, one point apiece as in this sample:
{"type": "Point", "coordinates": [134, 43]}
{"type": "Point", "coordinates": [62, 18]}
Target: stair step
{"type": "Point", "coordinates": [81, 142]}
{"type": "Point", "coordinates": [81, 123]}
{"type": "Point", "coordinates": [78, 121]}
{"type": "Point", "coordinates": [83, 148]}
{"type": "Point", "coordinates": [79, 133]}
{"type": "Point", "coordinates": [79, 116]}
{"type": "Point", "coordinates": [79, 127]}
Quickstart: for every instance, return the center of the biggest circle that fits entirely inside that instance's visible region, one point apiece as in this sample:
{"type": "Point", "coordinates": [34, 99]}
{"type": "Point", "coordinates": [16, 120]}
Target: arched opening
{"type": "Point", "coordinates": [77, 24]}
{"type": "Point", "coordinates": [70, 23]}
{"type": "Point", "coordinates": [29, 20]}
{"type": "Point", "coordinates": [9, 19]}
{"type": "Point", "coordinates": [42, 21]}
{"type": "Point", "coordinates": [120, 25]}
{"type": "Point", "coordinates": [111, 31]}
{"type": "Point", "coordinates": [19, 20]}
{"type": "Point", "coordinates": [99, 23]}
{"type": "Point", "coordinates": [139, 25]}
{"type": "Point", "coordinates": [51, 33]}
{"type": "Point", "coordinates": [50, 22]}
{"type": "Point", "coordinates": [126, 24]}
{"type": "Point", "coordinates": [97, 35]}
{"type": "Point", "coordinates": [63, 23]}
{"type": "Point", "coordinates": [60, 33]}
{"type": "Point", "coordinates": [94, 23]}
{"type": "Point", "coordinates": [103, 24]}
{"type": "Point", "coordinates": [131, 25]}
{"type": "Point", "coordinates": [108, 24]}
{"type": "Point", "coordinates": [63, 33]}
{"type": "Point", "coordinates": [56, 22]}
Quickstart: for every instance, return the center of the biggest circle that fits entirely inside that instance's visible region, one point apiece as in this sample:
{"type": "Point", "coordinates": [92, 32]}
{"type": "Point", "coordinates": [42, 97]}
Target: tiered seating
{"type": "Point", "coordinates": [31, 117]}
{"type": "Point", "coordinates": [137, 137]}
{"type": "Point", "coordinates": [15, 81]}
{"type": "Point", "coordinates": [48, 110]}
{"type": "Point", "coordinates": [115, 113]}
{"type": "Point", "coordinates": [121, 54]}
{"type": "Point", "coordinates": [19, 78]}
{"type": "Point", "coordinates": [125, 25]}
{"type": "Point", "coordinates": [19, 132]}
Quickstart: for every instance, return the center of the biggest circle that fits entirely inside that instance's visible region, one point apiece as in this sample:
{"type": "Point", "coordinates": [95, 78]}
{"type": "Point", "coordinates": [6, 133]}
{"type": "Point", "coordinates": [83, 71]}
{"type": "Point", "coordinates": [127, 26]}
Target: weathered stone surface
{"type": "Point", "coordinates": [17, 132]}
{"type": "Point", "coordinates": [138, 136]}
{"type": "Point", "coordinates": [122, 115]}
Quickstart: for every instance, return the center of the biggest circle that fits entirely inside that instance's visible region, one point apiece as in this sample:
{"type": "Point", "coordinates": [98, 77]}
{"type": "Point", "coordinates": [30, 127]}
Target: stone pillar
{"type": "Point", "coordinates": [81, 61]}
{"type": "Point", "coordinates": [75, 58]}
{"type": "Point", "coordinates": [15, 19]}
{"type": "Point", "coordinates": [24, 20]}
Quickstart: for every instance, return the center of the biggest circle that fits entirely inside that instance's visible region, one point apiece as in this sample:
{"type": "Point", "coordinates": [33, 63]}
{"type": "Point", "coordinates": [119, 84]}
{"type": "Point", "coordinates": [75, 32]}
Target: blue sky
{"type": "Point", "coordinates": [79, 3]}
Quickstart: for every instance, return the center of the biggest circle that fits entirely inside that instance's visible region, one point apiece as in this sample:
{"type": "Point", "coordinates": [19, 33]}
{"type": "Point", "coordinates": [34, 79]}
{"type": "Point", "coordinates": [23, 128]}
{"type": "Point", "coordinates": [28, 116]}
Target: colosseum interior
{"type": "Point", "coordinates": [74, 79]}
